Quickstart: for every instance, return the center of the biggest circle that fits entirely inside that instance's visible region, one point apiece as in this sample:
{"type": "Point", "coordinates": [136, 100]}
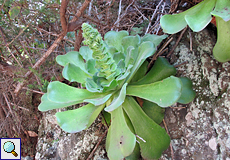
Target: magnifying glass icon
{"type": "Point", "coordinates": [9, 147]}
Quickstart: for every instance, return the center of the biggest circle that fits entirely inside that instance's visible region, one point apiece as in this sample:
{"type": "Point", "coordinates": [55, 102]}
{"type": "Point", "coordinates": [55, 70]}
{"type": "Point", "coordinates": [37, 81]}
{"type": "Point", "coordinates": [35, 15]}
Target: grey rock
{"type": "Point", "coordinates": [56, 144]}
{"type": "Point", "coordinates": [202, 129]}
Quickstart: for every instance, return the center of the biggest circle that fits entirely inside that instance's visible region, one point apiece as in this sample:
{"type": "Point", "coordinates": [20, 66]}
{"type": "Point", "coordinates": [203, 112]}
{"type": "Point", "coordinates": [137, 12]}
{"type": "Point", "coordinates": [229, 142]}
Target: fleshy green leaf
{"type": "Point", "coordinates": [160, 70]}
{"type": "Point", "coordinates": [222, 9]}
{"type": "Point", "coordinates": [164, 93]}
{"type": "Point", "coordinates": [86, 53]}
{"type": "Point", "coordinates": [46, 104]}
{"type": "Point", "coordinates": [71, 57]}
{"type": "Point", "coordinates": [154, 139]}
{"type": "Point", "coordinates": [145, 50]}
{"type": "Point", "coordinates": [74, 73]}
{"type": "Point", "coordinates": [187, 93]}
{"type": "Point", "coordinates": [131, 54]}
{"type": "Point", "coordinates": [112, 86]}
{"type": "Point", "coordinates": [118, 56]}
{"type": "Point", "coordinates": [117, 101]}
{"type": "Point", "coordinates": [98, 101]}
{"type": "Point", "coordinates": [126, 74]}
{"type": "Point", "coordinates": [92, 86]}
{"type": "Point", "coordinates": [114, 39]}
{"type": "Point", "coordinates": [173, 23]}
{"type": "Point", "coordinates": [140, 73]}
{"type": "Point", "coordinates": [106, 120]}
{"type": "Point", "coordinates": [120, 140]}
{"type": "Point", "coordinates": [76, 120]}
{"type": "Point", "coordinates": [131, 41]}
{"type": "Point", "coordinates": [155, 39]}
{"type": "Point", "coordinates": [120, 67]}
{"type": "Point", "coordinates": [14, 12]}
{"type": "Point", "coordinates": [153, 111]}
{"type": "Point", "coordinates": [62, 93]}
{"type": "Point", "coordinates": [201, 15]}
{"type": "Point", "coordinates": [90, 66]}
{"type": "Point", "coordinates": [136, 152]}
{"type": "Point", "coordinates": [197, 18]}
{"type": "Point", "coordinates": [221, 50]}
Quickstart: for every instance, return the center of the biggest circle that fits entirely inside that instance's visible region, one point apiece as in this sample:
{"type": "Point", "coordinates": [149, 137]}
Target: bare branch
{"type": "Point", "coordinates": [80, 11]}
{"type": "Point", "coordinates": [63, 7]}
{"type": "Point", "coordinates": [40, 61]}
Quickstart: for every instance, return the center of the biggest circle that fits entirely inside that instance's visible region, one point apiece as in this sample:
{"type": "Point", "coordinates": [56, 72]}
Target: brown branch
{"type": "Point", "coordinates": [40, 61]}
{"type": "Point", "coordinates": [78, 40]}
{"type": "Point", "coordinates": [63, 7]}
{"type": "Point", "coordinates": [178, 65]}
{"type": "Point", "coordinates": [73, 26]}
{"type": "Point", "coordinates": [80, 11]}
{"type": "Point", "coordinates": [45, 50]}
{"type": "Point", "coordinates": [53, 34]}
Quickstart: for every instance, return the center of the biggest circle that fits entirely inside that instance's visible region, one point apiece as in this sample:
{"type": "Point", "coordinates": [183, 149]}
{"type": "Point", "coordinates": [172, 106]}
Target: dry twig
{"type": "Point", "coordinates": [178, 40]}
{"type": "Point", "coordinates": [98, 143]}
{"type": "Point", "coordinates": [171, 148]}
{"type": "Point", "coordinates": [154, 14]}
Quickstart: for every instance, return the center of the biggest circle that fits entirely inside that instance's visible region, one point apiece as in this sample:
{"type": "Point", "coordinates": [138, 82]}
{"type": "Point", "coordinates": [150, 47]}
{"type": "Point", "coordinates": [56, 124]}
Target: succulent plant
{"type": "Point", "coordinates": [113, 72]}
{"type": "Point", "coordinates": [198, 17]}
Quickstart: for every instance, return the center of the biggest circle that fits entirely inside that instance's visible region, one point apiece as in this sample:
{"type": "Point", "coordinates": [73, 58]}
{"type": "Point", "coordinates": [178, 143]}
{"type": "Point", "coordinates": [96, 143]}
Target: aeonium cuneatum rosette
{"type": "Point", "coordinates": [113, 72]}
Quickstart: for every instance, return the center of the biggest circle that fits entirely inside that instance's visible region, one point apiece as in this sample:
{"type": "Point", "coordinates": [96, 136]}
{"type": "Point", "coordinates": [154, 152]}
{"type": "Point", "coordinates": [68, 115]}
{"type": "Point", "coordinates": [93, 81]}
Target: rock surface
{"type": "Point", "coordinates": [199, 130]}
{"type": "Point", "coordinates": [202, 129]}
{"type": "Point", "coordinates": [56, 144]}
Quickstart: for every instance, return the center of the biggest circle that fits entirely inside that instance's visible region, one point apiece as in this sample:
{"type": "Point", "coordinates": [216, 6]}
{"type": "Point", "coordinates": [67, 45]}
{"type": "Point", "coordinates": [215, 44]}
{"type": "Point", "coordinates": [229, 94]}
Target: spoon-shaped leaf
{"type": "Point", "coordinates": [140, 73]}
{"type": "Point", "coordinates": [173, 23]}
{"type": "Point", "coordinates": [136, 152]}
{"type": "Point", "coordinates": [98, 101]}
{"type": "Point", "coordinates": [71, 57]}
{"type": "Point", "coordinates": [74, 73]}
{"type": "Point", "coordinates": [155, 39]}
{"type": "Point", "coordinates": [114, 39]}
{"type": "Point", "coordinates": [46, 104]}
{"type": "Point", "coordinates": [200, 16]}
{"type": "Point", "coordinates": [196, 17]}
{"type": "Point", "coordinates": [164, 93]}
{"type": "Point", "coordinates": [62, 93]}
{"type": "Point", "coordinates": [120, 140]}
{"type": "Point", "coordinates": [117, 101]}
{"type": "Point", "coordinates": [129, 41]}
{"type": "Point", "coordinates": [161, 70]}
{"type": "Point", "coordinates": [145, 50]}
{"type": "Point", "coordinates": [187, 93]}
{"type": "Point", "coordinates": [222, 9]}
{"type": "Point", "coordinates": [154, 139]}
{"type": "Point", "coordinates": [155, 112]}
{"type": "Point", "coordinates": [76, 120]}
{"type": "Point", "coordinates": [221, 50]}
{"type": "Point", "coordinates": [86, 53]}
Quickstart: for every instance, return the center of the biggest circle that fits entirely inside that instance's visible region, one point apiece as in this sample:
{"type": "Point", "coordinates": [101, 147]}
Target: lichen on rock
{"type": "Point", "coordinates": [202, 129]}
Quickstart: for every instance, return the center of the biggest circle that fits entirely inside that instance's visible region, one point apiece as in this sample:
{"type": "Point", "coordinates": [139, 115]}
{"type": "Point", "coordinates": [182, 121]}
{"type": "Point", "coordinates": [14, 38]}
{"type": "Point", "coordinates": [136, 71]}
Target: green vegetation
{"type": "Point", "coordinates": [113, 71]}
{"type": "Point", "coordinates": [198, 17]}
